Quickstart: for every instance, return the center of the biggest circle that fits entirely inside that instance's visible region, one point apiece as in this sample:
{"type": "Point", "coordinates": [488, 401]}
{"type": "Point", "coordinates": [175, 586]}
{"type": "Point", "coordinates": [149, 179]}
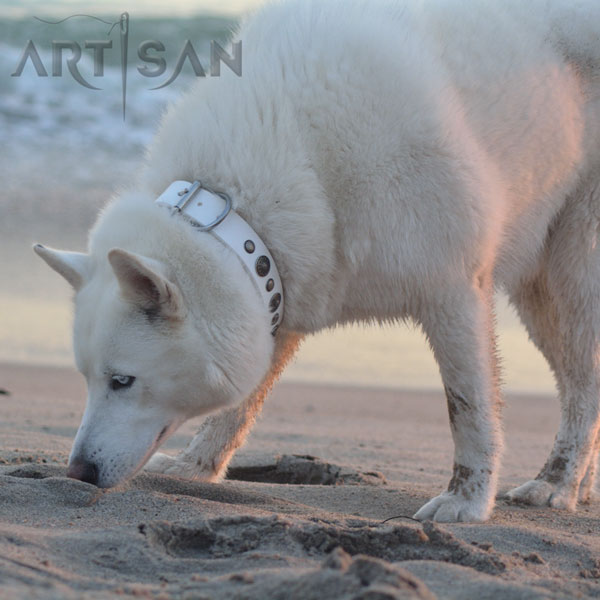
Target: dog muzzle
{"type": "Point", "coordinates": [209, 211]}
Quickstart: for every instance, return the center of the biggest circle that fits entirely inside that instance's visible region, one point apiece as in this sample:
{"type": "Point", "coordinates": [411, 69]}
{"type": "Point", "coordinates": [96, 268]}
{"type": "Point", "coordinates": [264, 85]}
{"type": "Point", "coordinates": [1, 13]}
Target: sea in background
{"type": "Point", "coordinates": [66, 149]}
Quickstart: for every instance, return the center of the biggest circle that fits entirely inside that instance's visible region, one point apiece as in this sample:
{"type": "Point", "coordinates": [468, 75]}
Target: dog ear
{"type": "Point", "coordinates": [71, 265]}
{"type": "Point", "coordinates": [142, 284]}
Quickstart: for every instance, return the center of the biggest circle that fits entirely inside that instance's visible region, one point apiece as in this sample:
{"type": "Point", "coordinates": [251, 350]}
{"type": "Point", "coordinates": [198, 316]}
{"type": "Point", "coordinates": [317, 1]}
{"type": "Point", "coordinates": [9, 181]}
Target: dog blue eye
{"type": "Point", "coordinates": [119, 382]}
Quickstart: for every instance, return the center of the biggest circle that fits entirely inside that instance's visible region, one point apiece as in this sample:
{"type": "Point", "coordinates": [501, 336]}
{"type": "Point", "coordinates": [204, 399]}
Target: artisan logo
{"type": "Point", "coordinates": [148, 52]}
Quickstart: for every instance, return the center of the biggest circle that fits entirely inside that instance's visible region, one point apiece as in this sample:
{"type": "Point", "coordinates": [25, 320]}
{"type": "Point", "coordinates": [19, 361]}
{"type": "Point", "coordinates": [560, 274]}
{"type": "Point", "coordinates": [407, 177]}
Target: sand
{"type": "Point", "coordinates": [301, 516]}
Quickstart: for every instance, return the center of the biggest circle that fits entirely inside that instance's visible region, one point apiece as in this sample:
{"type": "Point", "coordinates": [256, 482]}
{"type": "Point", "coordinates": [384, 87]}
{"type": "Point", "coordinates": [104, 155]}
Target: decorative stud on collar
{"type": "Point", "coordinates": [209, 211]}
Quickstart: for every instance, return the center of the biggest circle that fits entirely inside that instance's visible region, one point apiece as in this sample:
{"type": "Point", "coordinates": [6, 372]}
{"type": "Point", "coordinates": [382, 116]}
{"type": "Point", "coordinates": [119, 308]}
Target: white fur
{"type": "Point", "coordinates": [399, 159]}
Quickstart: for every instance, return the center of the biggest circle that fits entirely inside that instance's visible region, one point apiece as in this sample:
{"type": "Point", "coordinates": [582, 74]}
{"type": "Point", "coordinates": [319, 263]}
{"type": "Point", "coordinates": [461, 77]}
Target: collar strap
{"type": "Point", "coordinates": [210, 211]}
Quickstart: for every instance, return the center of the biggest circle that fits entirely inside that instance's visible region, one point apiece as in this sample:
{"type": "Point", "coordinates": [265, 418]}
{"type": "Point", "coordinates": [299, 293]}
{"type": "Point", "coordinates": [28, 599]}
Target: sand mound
{"type": "Point", "coordinates": [310, 470]}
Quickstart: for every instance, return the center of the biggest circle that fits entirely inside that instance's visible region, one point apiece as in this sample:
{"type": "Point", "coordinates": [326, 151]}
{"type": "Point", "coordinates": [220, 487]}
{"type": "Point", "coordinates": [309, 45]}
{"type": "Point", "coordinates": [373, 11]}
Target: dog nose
{"type": "Point", "coordinates": [84, 471]}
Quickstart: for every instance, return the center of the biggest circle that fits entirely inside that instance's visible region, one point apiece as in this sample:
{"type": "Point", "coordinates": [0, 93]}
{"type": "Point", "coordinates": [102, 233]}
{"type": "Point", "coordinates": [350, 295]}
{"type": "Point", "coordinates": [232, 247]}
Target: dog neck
{"type": "Point", "coordinates": [266, 170]}
{"type": "Point", "coordinates": [210, 212]}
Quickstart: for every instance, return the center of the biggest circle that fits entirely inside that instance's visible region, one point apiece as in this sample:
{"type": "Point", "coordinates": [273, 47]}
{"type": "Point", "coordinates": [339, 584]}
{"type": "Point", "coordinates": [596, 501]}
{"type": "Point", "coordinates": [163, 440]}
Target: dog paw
{"type": "Point", "coordinates": [169, 465]}
{"type": "Point", "coordinates": [542, 493]}
{"type": "Point", "coordinates": [451, 508]}
{"type": "Point", "coordinates": [159, 463]}
{"type": "Point", "coordinates": [587, 490]}
{"type": "Point", "coordinates": [588, 495]}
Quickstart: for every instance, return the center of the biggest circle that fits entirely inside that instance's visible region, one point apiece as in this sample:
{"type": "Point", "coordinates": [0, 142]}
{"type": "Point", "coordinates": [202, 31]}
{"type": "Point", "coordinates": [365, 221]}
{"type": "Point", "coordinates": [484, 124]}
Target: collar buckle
{"type": "Point", "coordinates": [188, 193]}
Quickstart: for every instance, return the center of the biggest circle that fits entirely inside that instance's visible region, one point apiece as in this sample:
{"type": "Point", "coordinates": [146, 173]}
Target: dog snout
{"type": "Point", "coordinates": [84, 471]}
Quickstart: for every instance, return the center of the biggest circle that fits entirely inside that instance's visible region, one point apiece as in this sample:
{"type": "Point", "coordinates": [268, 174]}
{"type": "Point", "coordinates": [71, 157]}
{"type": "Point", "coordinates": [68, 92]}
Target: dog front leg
{"type": "Point", "coordinates": [207, 456]}
{"type": "Point", "coordinates": [460, 330]}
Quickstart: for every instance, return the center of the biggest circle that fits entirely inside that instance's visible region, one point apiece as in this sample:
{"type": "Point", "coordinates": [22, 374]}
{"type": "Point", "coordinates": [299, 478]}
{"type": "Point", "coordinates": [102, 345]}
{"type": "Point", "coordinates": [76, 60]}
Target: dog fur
{"type": "Point", "coordinates": [401, 160]}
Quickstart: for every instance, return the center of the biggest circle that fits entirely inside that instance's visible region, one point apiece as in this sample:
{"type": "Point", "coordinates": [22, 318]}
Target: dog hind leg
{"type": "Point", "coordinates": [207, 456]}
{"type": "Point", "coordinates": [560, 309]}
{"type": "Point", "coordinates": [587, 492]}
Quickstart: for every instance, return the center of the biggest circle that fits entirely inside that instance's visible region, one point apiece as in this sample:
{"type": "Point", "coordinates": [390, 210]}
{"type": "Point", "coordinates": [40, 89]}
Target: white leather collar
{"type": "Point", "coordinates": [210, 211]}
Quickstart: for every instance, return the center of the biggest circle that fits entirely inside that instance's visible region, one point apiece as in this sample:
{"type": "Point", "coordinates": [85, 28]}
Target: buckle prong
{"type": "Point", "coordinates": [186, 196]}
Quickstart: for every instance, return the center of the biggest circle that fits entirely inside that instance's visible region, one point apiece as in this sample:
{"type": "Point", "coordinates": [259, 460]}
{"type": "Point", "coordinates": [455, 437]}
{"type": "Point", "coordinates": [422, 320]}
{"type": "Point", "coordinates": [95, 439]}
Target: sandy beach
{"type": "Point", "coordinates": [301, 515]}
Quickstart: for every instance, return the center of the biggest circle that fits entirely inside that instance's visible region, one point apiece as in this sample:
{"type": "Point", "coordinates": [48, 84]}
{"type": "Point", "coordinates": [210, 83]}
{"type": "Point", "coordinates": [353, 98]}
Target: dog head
{"type": "Point", "coordinates": [156, 352]}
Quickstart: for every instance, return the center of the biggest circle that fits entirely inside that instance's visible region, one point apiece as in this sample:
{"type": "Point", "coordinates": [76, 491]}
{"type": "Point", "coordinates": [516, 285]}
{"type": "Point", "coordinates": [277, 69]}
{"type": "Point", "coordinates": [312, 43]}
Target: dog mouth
{"type": "Point", "coordinates": [115, 480]}
{"type": "Point", "coordinates": [164, 433]}
{"type": "Point", "coordinates": [161, 435]}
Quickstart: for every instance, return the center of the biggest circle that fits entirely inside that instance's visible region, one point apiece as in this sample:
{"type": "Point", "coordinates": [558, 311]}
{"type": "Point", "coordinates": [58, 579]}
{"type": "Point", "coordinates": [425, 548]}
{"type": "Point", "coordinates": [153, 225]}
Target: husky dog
{"type": "Point", "coordinates": [377, 161]}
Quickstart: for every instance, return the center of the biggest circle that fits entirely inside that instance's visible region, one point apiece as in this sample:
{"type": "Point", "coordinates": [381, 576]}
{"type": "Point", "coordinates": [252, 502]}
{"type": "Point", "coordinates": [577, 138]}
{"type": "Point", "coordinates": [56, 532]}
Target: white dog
{"type": "Point", "coordinates": [397, 160]}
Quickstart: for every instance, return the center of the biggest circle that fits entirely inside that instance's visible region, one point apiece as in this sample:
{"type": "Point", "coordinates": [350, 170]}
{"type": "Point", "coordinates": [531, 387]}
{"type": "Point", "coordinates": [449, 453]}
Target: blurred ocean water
{"type": "Point", "coordinates": [156, 8]}
{"type": "Point", "coordinates": [66, 149]}
{"type": "Point", "coordinates": [35, 110]}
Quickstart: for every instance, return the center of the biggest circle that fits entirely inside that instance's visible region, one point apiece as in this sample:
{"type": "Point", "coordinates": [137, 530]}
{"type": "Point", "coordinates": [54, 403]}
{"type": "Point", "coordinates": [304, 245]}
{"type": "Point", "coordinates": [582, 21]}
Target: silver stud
{"type": "Point", "coordinates": [263, 266]}
{"type": "Point", "coordinates": [275, 302]}
{"type": "Point", "coordinates": [249, 246]}
{"type": "Point", "coordinates": [270, 285]}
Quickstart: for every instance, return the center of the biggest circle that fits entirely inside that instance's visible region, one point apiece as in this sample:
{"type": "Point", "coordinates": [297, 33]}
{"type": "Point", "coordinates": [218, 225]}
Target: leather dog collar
{"type": "Point", "coordinates": [210, 211]}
